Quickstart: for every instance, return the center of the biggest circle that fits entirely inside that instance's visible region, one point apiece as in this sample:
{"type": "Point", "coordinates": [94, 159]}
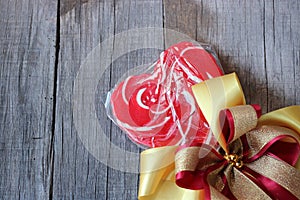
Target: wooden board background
{"type": "Point", "coordinates": [44, 43]}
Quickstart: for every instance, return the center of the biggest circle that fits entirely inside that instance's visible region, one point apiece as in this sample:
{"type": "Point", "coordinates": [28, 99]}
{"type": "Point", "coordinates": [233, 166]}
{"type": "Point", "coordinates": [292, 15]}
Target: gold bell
{"type": "Point", "coordinates": [234, 160]}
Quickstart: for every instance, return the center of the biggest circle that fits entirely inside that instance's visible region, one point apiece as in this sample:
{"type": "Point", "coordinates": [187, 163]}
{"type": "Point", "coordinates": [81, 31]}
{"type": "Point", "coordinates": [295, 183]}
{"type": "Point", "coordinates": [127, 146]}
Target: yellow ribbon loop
{"type": "Point", "coordinates": [216, 94]}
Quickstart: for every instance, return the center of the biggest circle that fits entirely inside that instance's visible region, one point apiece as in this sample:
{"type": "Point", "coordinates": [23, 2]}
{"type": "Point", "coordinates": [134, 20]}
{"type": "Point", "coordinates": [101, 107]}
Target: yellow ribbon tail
{"type": "Point", "coordinates": [288, 117]}
{"type": "Point", "coordinates": [157, 177]}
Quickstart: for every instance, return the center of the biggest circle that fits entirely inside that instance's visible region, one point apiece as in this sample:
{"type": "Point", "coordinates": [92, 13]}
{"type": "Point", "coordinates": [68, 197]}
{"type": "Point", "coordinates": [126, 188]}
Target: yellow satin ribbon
{"type": "Point", "coordinates": [157, 164]}
{"type": "Point", "coordinates": [216, 94]}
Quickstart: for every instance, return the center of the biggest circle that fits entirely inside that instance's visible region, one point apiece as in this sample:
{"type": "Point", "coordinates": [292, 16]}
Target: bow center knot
{"type": "Point", "coordinates": [234, 160]}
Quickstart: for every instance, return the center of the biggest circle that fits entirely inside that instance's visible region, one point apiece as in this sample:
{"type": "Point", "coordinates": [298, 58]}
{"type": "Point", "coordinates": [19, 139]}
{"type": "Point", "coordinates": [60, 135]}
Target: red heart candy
{"type": "Point", "coordinates": [158, 109]}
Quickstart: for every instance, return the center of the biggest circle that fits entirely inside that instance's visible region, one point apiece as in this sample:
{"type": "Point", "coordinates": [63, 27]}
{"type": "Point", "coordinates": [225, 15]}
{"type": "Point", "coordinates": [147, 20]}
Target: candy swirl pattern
{"type": "Point", "coordinates": [158, 109]}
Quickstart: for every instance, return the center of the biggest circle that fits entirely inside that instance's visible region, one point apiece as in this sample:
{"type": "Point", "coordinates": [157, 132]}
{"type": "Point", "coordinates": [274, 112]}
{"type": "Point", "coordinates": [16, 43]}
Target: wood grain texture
{"type": "Point", "coordinates": [27, 61]}
{"type": "Point", "coordinates": [256, 39]}
{"type": "Point", "coordinates": [282, 53]}
{"type": "Point", "coordinates": [42, 153]}
{"type": "Point", "coordinates": [237, 34]}
{"type": "Point", "coordinates": [77, 173]}
{"type": "Point", "coordinates": [131, 15]}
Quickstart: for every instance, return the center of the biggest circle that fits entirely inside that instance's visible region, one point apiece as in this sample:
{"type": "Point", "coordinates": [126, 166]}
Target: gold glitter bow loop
{"type": "Point", "coordinates": [238, 120]}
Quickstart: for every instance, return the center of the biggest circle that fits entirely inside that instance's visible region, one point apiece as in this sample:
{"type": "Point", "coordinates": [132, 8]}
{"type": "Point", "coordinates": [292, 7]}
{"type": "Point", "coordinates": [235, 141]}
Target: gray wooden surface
{"type": "Point", "coordinates": [44, 43]}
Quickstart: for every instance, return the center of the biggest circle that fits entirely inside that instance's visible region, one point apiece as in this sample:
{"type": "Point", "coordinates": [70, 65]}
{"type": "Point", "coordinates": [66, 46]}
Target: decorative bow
{"type": "Point", "coordinates": [257, 163]}
{"type": "Point", "coordinates": [254, 159]}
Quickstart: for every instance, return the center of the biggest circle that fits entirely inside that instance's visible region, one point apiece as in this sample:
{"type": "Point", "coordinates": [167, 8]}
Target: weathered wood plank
{"type": "Point", "coordinates": [239, 39]}
{"type": "Point", "coordinates": [282, 34]}
{"type": "Point", "coordinates": [129, 16]}
{"type": "Point", "coordinates": [27, 62]}
{"type": "Point", "coordinates": [77, 173]}
{"type": "Point", "coordinates": [257, 39]}
{"type": "Point", "coordinates": [235, 31]}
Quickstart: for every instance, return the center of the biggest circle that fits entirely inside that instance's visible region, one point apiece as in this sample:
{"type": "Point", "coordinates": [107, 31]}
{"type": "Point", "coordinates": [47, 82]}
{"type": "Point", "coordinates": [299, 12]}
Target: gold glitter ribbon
{"type": "Point", "coordinates": [157, 180]}
{"type": "Point", "coordinates": [245, 119]}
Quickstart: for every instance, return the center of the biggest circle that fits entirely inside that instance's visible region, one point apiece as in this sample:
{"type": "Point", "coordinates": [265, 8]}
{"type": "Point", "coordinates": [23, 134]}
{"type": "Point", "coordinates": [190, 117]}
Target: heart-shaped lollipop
{"type": "Point", "coordinates": [158, 109]}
